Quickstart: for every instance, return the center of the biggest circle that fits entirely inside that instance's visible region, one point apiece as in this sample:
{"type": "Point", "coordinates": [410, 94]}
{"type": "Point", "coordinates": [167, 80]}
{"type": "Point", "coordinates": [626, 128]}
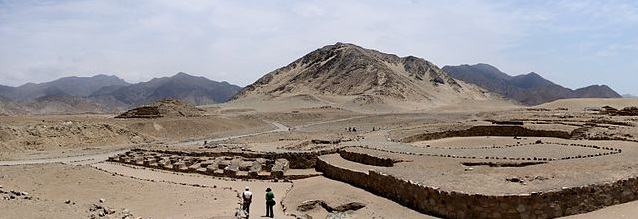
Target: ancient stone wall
{"type": "Point", "coordinates": [450, 204]}
{"type": "Point", "coordinates": [488, 131]}
{"type": "Point", "coordinates": [367, 159]}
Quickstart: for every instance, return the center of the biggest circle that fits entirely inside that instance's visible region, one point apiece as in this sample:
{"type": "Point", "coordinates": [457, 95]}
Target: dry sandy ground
{"type": "Point", "coordinates": [336, 193]}
{"type": "Point", "coordinates": [626, 210]}
{"type": "Point", "coordinates": [52, 184]}
{"type": "Point", "coordinates": [236, 186]}
{"type": "Point", "coordinates": [581, 104]}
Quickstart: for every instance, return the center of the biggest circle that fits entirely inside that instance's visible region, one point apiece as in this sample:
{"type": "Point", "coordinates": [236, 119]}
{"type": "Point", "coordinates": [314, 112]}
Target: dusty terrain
{"type": "Point", "coordinates": [56, 159]}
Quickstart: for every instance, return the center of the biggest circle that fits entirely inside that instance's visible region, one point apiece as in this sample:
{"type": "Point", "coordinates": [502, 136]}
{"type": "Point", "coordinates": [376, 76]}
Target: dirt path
{"type": "Point", "coordinates": [279, 128]}
{"type": "Point", "coordinates": [257, 187]}
{"type": "Point", "coordinates": [76, 160]}
{"type": "Point", "coordinates": [626, 210]}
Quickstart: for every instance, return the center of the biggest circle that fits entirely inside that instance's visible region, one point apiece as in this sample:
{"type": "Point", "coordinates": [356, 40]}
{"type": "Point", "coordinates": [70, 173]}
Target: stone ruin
{"type": "Point", "coordinates": [220, 166]}
{"type": "Point", "coordinates": [417, 196]}
{"type": "Point", "coordinates": [455, 204]}
{"type": "Point", "coordinates": [627, 111]}
{"type": "Point", "coordinates": [163, 108]}
{"type": "Point", "coordinates": [14, 195]}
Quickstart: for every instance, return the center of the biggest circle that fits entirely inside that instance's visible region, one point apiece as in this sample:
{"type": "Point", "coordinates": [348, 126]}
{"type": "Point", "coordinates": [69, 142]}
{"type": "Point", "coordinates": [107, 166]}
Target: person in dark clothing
{"type": "Point", "coordinates": [270, 203]}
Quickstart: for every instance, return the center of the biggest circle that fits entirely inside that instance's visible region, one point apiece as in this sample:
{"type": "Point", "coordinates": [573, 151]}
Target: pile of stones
{"type": "Point", "coordinates": [13, 195]}
{"type": "Point", "coordinates": [101, 210]}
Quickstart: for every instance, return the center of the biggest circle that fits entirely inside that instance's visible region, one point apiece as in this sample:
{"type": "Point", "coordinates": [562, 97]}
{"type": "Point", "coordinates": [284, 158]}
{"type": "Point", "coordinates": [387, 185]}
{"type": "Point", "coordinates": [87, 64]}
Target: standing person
{"type": "Point", "coordinates": [270, 203]}
{"type": "Point", "coordinates": [247, 198]}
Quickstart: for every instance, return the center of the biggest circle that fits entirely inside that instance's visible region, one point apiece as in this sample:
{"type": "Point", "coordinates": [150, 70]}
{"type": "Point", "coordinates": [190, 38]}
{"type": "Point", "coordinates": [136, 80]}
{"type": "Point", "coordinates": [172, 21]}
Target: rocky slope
{"type": "Point", "coordinates": [529, 89]}
{"type": "Point", "coordinates": [9, 107]}
{"type": "Point", "coordinates": [364, 76]}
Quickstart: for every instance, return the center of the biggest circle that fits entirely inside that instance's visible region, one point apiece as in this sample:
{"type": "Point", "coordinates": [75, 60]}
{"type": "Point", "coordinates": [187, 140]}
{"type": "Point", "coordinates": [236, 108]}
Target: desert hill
{"type": "Point", "coordinates": [347, 75]}
{"type": "Point", "coordinates": [9, 107]}
{"type": "Point", "coordinates": [529, 89]}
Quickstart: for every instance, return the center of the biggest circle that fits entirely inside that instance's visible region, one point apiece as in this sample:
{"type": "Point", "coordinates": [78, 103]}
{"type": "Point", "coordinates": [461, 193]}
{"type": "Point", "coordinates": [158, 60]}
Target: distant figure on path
{"type": "Point", "coordinates": [247, 198]}
{"type": "Point", "coordinates": [270, 203]}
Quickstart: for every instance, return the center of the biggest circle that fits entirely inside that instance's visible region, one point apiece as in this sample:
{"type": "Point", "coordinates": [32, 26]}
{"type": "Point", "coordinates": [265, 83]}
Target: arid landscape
{"type": "Point", "coordinates": [406, 109]}
{"type": "Point", "coordinates": [343, 132]}
{"type": "Point", "coordinates": [62, 166]}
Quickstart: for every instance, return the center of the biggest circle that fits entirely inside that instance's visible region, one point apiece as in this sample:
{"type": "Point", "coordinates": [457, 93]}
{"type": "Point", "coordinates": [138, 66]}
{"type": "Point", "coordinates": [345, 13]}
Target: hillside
{"type": "Point", "coordinates": [348, 75]}
{"type": "Point", "coordinates": [8, 107]}
{"type": "Point", "coordinates": [529, 89]}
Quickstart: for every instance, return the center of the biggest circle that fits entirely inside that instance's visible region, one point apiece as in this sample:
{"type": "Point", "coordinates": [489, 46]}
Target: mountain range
{"type": "Point", "coordinates": [528, 89]}
{"type": "Point", "coordinates": [342, 75]}
{"type": "Point", "coordinates": [107, 94]}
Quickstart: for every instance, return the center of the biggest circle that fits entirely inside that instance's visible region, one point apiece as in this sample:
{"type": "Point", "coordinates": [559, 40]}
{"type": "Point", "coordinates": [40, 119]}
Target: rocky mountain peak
{"type": "Point", "coordinates": [345, 69]}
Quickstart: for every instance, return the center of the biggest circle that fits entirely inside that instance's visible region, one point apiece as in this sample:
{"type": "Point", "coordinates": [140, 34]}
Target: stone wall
{"type": "Point", "coordinates": [367, 159]}
{"type": "Point", "coordinates": [450, 204]}
{"type": "Point", "coordinates": [496, 130]}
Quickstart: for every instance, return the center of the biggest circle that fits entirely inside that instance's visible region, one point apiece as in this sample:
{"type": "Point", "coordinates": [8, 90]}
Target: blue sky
{"type": "Point", "coordinates": [573, 42]}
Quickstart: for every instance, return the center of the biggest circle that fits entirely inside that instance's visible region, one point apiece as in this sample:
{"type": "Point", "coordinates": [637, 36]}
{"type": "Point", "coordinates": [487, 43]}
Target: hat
{"type": "Point", "coordinates": [268, 190]}
{"type": "Point", "coordinates": [247, 188]}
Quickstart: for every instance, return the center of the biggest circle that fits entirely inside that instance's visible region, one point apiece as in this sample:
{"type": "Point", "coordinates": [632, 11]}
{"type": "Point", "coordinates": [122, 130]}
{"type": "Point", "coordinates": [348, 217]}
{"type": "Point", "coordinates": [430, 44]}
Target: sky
{"type": "Point", "coordinates": [574, 43]}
